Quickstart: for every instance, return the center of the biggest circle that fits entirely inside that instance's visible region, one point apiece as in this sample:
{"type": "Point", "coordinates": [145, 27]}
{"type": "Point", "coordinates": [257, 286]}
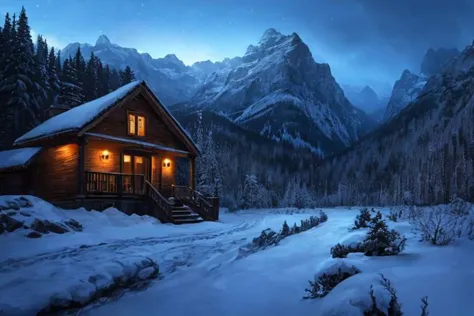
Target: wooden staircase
{"type": "Point", "coordinates": [193, 210]}
{"type": "Point", "coordinates": [184, 215]}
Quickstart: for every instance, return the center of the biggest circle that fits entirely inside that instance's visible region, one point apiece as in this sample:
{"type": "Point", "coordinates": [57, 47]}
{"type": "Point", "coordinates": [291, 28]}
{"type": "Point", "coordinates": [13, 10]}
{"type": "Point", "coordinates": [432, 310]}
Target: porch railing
{"type": "Point", "coordinates": [114, 183]}
{"type": "Point", "coordinates": [207, 207]}
{"type": "Point", "coordinates": [164, 205]}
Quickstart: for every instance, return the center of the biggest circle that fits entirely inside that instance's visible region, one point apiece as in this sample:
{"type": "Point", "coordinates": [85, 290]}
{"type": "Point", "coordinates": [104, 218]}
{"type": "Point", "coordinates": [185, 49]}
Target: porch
{"type": "Point", "coordinates": [186, 206]}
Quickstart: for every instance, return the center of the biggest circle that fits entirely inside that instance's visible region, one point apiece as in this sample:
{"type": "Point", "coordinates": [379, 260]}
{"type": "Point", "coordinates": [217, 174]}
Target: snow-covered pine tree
{"type": "Point", "coordinates": [41, 76]}
{"type": "Point", "coordinates": [215, 182]}
{"type": "Point", "coordinates": [250, 191]}
{"type": "Point", "coordinates": [70, 94]}
{"type": "Point", "coordinates": [18, 87]}
{"type": "Point", "coordinates": [53, 79]}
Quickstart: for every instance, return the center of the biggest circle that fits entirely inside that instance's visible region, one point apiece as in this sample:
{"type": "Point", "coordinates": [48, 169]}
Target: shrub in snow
{"type": "Point", "coordinates": [362, 219]}
{"type": "Point", "coordinates": [323, 217]}
{"type": "Point", "coordinates": [323, 284]}
{"type": "Point", "coordinates": [381, 241]}
{"type": "Point", "coordinates": [295, 229]}
{"type": "Point", "coordinates": [395, 214]}
{"type": "Point", "coordinates": [341, 251]}
{"type": "Point", "coordinates": [441, 225]}
{"type": "Point", "coordinates": [459, 207]}
{"type": "Point", "coordinates": [394, 307]}
{"type": "Point", "coordinates": [268, 237]}
{"type": "Point", "coordinates": [285, 230]}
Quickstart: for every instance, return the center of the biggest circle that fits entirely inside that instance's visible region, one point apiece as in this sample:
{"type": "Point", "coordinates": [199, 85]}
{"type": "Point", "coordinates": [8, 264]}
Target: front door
{"type": "Point", "coordinates": [135, 169]}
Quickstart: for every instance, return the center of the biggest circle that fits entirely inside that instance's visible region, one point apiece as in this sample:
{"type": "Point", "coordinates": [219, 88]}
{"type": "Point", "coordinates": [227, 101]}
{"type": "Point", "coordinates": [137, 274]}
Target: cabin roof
{"type": "Point", "coordinates": [79, 118]}
{"type": "Point", "coordinates": [17, 158]}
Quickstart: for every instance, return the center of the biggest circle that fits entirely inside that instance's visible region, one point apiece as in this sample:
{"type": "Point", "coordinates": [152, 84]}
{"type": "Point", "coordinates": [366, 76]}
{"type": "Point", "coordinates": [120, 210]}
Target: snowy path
{"type": "Point", "coordinates": [201, 275]}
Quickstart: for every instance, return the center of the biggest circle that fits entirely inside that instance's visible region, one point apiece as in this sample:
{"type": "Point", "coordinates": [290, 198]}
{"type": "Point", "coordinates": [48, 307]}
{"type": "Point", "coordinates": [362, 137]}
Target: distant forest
{"type": "Point", "coordinates": [34, 77]}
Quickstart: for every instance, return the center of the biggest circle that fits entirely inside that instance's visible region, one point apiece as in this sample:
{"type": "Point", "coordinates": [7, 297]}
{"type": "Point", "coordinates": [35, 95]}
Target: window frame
{"type": "Point", "coordinates": [136, 115]}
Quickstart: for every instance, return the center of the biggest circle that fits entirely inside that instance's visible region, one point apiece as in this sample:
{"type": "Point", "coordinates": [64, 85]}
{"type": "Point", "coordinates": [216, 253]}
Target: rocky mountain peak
{"type": "Point", "coordinates": [435, 59]}
{"type": "Point", "coordinates": [103, 40]}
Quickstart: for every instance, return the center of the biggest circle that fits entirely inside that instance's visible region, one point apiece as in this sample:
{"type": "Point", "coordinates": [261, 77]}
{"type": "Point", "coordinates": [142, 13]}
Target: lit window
{"type": "Point", "coordinates": [136, 125]}
{"type": "Point", "coordinates": [127, 158]}
{"type": "Point", "coordinates": [131, 124]}
{"type": "Point", "coordinates": [138, 160]}
{"type": "Point", "coordinates": [141, 126]}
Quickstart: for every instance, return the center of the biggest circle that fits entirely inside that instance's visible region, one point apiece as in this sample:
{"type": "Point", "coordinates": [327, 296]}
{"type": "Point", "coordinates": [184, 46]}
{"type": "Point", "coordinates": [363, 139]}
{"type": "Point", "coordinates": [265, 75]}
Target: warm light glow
{"type": "Point", "coordinates": [131, 124]}
{"type": "Point", "coordinates": [105, 155]}
{"type": "Point", "coordinates": [138, 159]}
{"type": "Point", "coordinates": [141, 126]}
{"type": "Point", "coordinates": [127, 158]}
{"type": "Point", "coordinates": [166, 163]}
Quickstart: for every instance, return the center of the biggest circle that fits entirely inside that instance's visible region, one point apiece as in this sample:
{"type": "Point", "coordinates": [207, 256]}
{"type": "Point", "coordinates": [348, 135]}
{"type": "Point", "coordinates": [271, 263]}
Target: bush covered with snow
{"type": "Point", "coordinates": [362, 219]}
{"type": "Point", "coordinates": [442, 224]}
{"type": "Point", "coordinates": [33, 216]}
{"type": "Point", "coordinates": [269, 237]}
{"type": "Point", "coordinates": [328, 278]}
{"type": "Point", "coordinates": [393, 308]}
{"type": "Point", "coordinates": [379, 241]}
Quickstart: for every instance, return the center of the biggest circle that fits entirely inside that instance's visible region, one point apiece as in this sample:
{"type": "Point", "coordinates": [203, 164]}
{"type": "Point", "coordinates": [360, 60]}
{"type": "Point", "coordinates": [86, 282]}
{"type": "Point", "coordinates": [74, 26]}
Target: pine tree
{"type": "Point", "coordinates": [70, 94]}
{"type": "Point", "coordinates": [59, 65]}
{"type": "Point", "coordinates": [41, 76]}
{"type": "Point", "coordinates": [105, 79]}
{"type": "Point", "coordinates": [115, 80]}
{"type": "Point", "coordinates": [53, 78]}
{"type": "Point", "coordinates": [91, 80]}
{"type": "Point", "coordinates": [127, 76]}
{"type": "Point", "coordinates": [250, 191]}
{"type": "Point", "coordinates": [285, 230]}
{"type": "Point", "coordinates": [18, 87]}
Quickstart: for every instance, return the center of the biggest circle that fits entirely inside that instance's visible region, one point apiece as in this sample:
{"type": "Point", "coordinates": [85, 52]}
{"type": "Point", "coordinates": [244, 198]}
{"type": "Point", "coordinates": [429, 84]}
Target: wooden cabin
{"type": "Point", "coordinates": [124, 149]}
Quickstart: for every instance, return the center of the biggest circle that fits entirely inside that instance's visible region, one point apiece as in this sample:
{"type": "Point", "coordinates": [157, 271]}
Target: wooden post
{"type": "Point", "coordinates": [192, 171]}
{"type": "Point", "coordinates": [81, 165]}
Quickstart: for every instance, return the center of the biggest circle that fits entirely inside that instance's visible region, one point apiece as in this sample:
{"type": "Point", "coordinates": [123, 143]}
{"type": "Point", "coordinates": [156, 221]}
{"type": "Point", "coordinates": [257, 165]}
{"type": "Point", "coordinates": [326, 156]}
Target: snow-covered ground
{"type": "Point", "coordinates": [200, 274]}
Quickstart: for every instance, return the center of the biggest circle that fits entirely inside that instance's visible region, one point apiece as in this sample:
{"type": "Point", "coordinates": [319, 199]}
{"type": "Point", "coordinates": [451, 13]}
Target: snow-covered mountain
{"type": "Point", "coordinates": [409, 86]}
{"type": "Point", "coordinates": [278, 90]}
{"type": "Point", "coordinates": [365, 99]}
{"type": "Point", "coordinates": [424, 154]}
{"type": "Point", "coordinates": [169, 77]}
{"type": "Point", "coordinates": [405, 90]}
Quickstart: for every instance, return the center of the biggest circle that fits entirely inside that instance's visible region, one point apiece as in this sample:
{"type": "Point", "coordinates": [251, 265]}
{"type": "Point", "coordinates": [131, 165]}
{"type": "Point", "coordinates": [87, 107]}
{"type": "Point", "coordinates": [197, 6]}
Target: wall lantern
{"type": "Point", "coordinates": [104, 155]}
{"type": "Point", "coordinates": [166, 163]}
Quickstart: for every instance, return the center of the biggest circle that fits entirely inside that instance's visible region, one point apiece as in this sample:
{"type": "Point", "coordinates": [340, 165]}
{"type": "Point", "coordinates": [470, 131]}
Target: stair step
{"type": "Point", "coordinates": [185, 216]}
{"type": "Point", "coordinates": [188, 221]}
{"type": "Point", "coordinates": [180, 208]}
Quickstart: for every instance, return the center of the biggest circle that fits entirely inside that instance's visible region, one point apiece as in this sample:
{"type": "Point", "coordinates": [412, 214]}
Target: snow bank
{"type": "Point", "coordinates": [68, 283]}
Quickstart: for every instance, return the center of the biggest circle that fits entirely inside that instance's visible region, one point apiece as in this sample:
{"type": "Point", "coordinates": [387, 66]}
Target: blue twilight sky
{"type": "Point", "coordinates": [364, 41]}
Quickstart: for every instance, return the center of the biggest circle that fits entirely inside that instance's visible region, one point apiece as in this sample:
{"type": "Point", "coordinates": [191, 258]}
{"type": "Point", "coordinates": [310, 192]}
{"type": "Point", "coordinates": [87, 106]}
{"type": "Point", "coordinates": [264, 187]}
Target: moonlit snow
{"type": "Point", "coordinates": [201, 275]}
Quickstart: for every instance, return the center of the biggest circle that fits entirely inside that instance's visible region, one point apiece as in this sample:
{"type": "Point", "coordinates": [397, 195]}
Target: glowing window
{"type": "Point", "coordinates": [132, 124]}
{"type": "Point", "coordinates": [136, 125]}
{"type": "Point", "coordinates": [127, 158]}
{"type": "Point", "coordinates": [138, 159]}
{"type": "Point", "coordinates": [141, 126]}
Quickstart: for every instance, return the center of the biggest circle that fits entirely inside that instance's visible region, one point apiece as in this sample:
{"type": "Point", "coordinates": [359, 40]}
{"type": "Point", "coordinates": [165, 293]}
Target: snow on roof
{"type": "Point", "coordinates": [137, 142]}
{"type": "Point", "coordinates": [17, 157]}
{"type": "Point", "coordinates": [78, 117]}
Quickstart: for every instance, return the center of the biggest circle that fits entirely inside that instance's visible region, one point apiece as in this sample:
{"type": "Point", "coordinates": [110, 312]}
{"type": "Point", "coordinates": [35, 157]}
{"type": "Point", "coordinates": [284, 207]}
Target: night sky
{"type": "Point", "coordinates": [364, 41]}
